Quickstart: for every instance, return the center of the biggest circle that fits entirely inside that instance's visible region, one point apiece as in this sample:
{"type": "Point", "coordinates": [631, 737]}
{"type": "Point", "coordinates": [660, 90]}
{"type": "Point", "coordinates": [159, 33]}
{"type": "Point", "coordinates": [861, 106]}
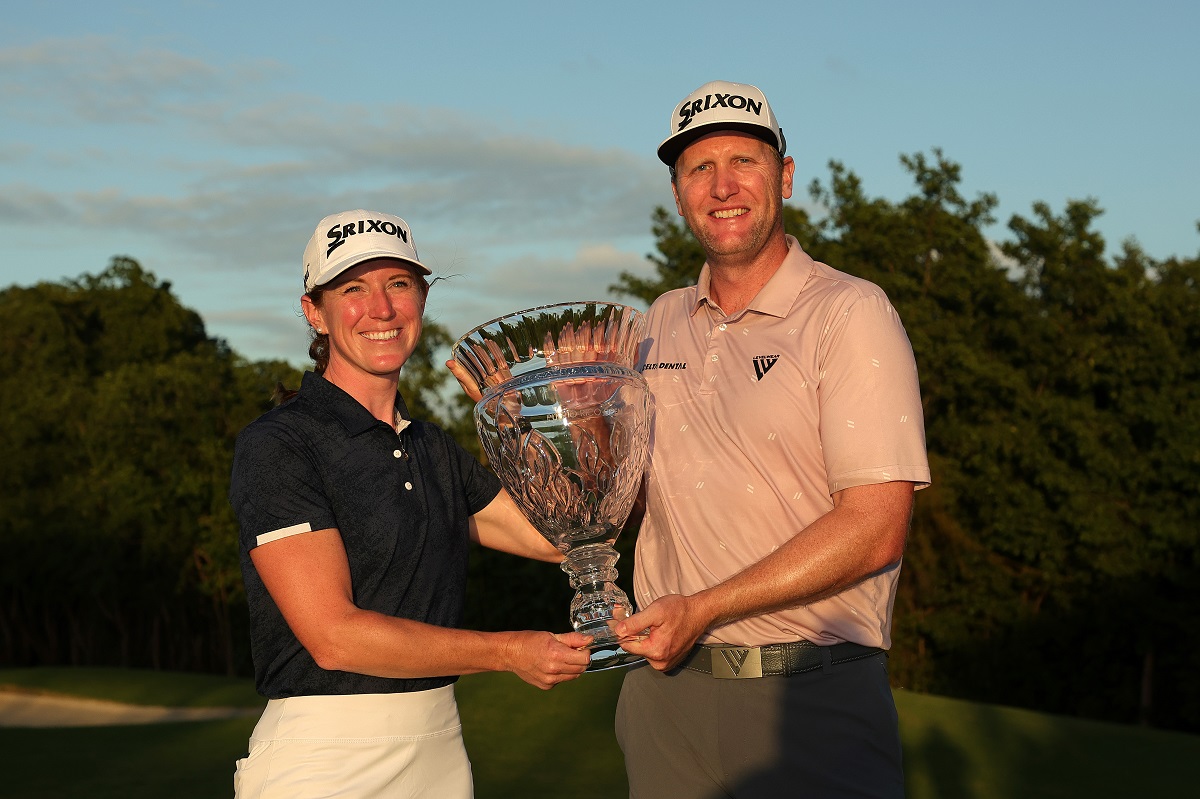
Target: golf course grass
{"type": "Point", "coordinates": [528, 743]}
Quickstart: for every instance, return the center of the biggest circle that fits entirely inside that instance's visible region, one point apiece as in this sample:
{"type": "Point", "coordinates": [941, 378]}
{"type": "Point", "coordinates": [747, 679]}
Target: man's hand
{"type": "Point", "coordinates": [464, 380]}
{"type": "Point", "coordinates": [546, 659]}
{"type": "Point", "coordinates": [664, 632]}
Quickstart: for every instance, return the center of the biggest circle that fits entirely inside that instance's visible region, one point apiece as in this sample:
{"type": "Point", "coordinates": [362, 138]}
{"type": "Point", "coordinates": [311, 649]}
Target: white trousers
{"type": "Point", "coordinates": [363, 746]}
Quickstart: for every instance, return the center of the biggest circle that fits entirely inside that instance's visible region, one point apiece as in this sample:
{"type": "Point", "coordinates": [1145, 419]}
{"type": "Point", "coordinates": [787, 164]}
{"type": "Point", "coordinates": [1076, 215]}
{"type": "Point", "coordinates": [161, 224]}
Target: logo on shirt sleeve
{"type": "Point", "coordinates": [763, 364]}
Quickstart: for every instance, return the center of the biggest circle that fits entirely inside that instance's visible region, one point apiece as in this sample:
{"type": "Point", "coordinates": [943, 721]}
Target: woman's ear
{"type": "Point", "coordinates": [312, 312]}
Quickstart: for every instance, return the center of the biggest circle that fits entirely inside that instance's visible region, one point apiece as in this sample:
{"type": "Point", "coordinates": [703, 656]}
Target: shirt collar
{"type": "Point", "coordinates": [347, 410]}
{"type": "Point", "coordinates": [778, 296]}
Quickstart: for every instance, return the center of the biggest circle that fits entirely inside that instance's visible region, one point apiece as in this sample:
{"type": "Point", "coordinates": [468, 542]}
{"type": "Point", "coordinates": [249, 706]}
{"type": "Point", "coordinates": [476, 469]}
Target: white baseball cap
{"type": "Point", "coordinates": [720, 105]}
{"type": "Point", "coordinates": [344, 240]}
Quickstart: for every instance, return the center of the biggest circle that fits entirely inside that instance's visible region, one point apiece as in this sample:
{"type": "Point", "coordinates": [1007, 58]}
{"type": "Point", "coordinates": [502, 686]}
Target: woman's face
{"type": "Point", "coordinates": [372, 314]}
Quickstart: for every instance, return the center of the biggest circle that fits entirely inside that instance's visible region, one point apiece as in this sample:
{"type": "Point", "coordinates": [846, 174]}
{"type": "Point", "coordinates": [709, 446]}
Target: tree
{"type": "Point", "coordinates": [121, 424]}
{"type": "Point", "coordinates": [424, 382]}
{"type": "Point", "coordinates": [677, 263]}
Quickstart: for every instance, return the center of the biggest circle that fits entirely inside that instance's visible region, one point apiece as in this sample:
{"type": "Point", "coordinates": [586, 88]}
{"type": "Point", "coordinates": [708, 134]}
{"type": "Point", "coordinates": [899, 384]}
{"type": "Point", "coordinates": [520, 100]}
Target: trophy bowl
{"type": "Point", "coordinates": [565, 422]}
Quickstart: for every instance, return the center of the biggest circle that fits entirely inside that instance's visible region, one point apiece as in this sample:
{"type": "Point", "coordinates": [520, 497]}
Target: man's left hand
{"type": "Point", "coordinates": [664, 632]}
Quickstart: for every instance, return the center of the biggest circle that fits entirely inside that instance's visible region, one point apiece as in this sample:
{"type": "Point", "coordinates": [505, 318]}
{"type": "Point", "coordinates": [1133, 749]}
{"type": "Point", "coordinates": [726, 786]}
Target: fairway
{"type": "Point", "coordinates": [532, 744]}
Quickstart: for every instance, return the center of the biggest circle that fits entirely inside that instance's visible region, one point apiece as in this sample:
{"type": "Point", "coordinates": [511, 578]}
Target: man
{"type": "Point", "coordinates": [788, 440]}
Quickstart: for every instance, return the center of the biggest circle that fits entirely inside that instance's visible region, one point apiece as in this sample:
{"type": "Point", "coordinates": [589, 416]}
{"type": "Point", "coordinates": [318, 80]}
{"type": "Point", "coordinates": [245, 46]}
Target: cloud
{"type": "Point", "coordinates": [842, 68]}
{"type": "Point", "coordinates": [477, 295]}
{"type": "Point", "coordinates": [509, 185]}
{"type": "Point", "coordinates": [99, 79]}
{"type": "Point", "coordinates": [281, 166]}
{"type": "Point", "coordinates": [182, 164]}
{"type": "Point", "coordinates": [14, 152]}
{"type": "Point", "coordinates": [264, 333]}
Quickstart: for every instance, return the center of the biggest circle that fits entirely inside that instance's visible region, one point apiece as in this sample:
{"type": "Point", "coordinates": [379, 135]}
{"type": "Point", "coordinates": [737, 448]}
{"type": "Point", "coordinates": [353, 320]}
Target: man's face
{"type": "Point", "coordinates": [729, 188]}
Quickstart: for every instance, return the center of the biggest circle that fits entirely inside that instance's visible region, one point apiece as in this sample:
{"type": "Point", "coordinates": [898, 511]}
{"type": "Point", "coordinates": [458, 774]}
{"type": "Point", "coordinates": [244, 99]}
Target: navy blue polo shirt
{"type": "Point", "coordinates": [401, 502]}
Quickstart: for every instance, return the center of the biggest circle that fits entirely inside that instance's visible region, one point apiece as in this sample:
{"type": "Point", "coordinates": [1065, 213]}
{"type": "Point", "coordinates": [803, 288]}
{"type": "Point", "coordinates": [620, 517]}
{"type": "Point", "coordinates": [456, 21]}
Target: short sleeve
{"type": "Point", "coordinates": [872, 427]}
{"type": "Point", "coordinates": [276, 489]}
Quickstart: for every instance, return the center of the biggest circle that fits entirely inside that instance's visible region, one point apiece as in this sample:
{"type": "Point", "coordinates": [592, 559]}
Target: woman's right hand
{"type": "Point", "coordinates": [545, 659]}
{"type": "Point", "coordinates": [465, 381]}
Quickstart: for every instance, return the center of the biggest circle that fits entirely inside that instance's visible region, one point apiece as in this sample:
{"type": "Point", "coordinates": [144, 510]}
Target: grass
{"type": "Point", "coordinates": [954, 748]}
{"type": "Point", "coordinates": [137, 687]}
{"type": "Point", "coordinates": [528, 743]}
{"type": "Point", "coordinates": [186, 760]}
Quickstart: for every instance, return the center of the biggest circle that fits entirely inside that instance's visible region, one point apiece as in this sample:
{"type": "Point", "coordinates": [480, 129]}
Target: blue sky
{"type": "Point", "coordinates": [206, 139]}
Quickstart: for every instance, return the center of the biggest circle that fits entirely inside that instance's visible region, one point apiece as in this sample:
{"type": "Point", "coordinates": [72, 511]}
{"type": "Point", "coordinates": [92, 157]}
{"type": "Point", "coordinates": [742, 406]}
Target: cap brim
{"type": "Point", "coordinates": [332, 274]}
{"type": "Point", "coordinates": [670, 150]}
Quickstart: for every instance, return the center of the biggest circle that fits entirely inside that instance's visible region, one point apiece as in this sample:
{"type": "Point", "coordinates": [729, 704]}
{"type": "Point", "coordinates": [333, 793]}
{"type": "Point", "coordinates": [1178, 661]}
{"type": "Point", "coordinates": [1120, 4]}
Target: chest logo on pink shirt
{"type": "Point", "coordinates": [763, 364]}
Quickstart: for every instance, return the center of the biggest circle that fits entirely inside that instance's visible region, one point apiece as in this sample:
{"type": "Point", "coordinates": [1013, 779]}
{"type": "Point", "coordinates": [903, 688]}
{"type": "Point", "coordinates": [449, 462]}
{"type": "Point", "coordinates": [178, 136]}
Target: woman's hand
{"type": "Point", "coordinates": [545, 659]}
{"type": "Point", "coordinates": [464, 380]}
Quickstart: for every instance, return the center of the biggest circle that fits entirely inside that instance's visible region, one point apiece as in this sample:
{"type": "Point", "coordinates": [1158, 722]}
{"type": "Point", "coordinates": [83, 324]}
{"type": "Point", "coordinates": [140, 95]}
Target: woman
{"type": "Point", "coordinates": [355, 523]}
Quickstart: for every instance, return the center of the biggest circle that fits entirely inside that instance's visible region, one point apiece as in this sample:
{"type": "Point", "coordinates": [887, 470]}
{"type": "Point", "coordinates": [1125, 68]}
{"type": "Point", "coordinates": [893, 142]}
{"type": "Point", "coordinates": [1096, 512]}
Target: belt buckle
{"type": "Point", "coordinates": [736, 662]}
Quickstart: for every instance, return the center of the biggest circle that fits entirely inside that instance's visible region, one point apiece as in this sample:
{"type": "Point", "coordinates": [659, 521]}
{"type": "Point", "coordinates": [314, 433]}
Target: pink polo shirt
{"type": "Point", "coordinates": [760, 417]}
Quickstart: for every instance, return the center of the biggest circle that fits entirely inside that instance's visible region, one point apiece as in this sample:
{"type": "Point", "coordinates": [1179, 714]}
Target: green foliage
{"type": "Point", "coordinates": [120, 419]}
{"type": "Point", "coordinates": [677, 263]}
{"type": "Point", "coordinates": [423, 384]}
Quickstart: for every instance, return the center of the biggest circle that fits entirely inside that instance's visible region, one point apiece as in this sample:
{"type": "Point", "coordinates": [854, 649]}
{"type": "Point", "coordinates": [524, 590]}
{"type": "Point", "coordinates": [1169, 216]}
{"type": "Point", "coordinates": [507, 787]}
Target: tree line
{"type": "Point", "coordinates": [1052, 564]}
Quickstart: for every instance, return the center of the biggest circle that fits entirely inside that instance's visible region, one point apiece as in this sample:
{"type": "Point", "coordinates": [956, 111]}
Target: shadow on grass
{"type": "Point", "coordinates": [530, 743]}
{"type": "Point", "coordinates": [188, 760]}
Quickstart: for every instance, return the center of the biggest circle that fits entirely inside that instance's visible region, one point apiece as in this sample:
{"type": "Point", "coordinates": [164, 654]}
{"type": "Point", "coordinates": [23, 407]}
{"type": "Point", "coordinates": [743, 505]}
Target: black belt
{"type": "Point", "coordinates": [775, 660]}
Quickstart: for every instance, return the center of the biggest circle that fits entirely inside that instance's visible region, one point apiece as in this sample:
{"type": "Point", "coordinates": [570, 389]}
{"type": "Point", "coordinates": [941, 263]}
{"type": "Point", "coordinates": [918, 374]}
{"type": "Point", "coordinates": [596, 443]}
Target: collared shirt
{"type": "Point", "coordinates": [760, 417]}
{"type": "Point", "coordinates": [401, 501]}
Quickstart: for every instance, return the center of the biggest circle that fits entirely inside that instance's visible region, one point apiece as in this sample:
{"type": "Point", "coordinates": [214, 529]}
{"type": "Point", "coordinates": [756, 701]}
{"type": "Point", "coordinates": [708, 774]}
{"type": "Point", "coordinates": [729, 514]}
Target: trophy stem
{"type": "Point", "coordinates": [598, 602]}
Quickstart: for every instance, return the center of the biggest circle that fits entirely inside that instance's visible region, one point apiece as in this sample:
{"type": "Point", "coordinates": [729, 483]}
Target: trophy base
{"type": "Point", "coordinates": [611, 656]}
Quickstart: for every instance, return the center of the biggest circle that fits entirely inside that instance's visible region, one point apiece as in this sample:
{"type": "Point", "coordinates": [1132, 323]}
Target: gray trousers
{"type": "Point", "coordinates": [826, 733]}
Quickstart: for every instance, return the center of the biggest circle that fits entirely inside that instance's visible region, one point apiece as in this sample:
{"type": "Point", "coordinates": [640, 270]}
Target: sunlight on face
{"type": "Point", "coordinates": [729, 188]}
{"type": "Point", "coordinates": [372, 314]}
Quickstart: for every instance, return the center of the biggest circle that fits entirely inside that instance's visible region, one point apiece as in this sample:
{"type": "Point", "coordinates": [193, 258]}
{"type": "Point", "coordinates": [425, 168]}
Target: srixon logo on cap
{"type": "Point", "coordinates": [736, 101]}
{"type": "Point", "coordinates": [339, 233]}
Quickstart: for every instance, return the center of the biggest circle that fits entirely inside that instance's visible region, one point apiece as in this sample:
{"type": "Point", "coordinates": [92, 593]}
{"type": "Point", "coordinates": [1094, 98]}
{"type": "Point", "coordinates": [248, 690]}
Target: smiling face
{"type": "Point", "coordinates": [372, 314]}
{"type": "Point", "coordinates": [729, 188]}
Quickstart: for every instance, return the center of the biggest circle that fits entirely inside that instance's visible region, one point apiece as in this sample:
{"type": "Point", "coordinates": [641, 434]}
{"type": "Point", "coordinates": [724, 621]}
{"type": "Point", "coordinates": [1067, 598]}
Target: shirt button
{"type": "Point", "coordinates": [407, 486]}
{"type": "Point", "coordinates": [722, 327]}
{"type": "Point", "coordinates": [714, 357]}
{"type": "Point", "coordinates": [397, 453]}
